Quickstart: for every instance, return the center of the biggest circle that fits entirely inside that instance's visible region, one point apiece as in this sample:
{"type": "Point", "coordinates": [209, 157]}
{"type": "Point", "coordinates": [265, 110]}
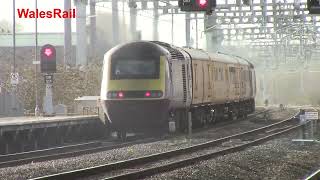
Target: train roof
{"type": "Point", "coordinates": [219, 57]}
{"type": "Point", "coordinates": [198, 54]}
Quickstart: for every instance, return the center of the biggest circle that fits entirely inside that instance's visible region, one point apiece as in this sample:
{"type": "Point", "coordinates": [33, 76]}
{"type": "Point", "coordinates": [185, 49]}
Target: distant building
{"type": "Point", "coordinates": [25, 46]}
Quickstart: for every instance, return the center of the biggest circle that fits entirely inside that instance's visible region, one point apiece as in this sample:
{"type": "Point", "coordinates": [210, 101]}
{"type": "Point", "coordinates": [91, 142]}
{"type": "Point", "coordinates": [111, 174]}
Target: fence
{"type": "Point", "coordinates": [9, 104]}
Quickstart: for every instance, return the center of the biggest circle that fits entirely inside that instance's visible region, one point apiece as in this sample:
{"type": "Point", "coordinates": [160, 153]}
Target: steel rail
{"type": "Point", "coordinates": [314, 176]}
{"type": "Point", "coordinates": [189, 161]}
{"type": "Point", "coordinates": [158, 156]}
{"type": "Point", "coordinates": [41, 152]}
{"type": "Point", "coordinates": [74, 150]}
{"type": "Point", "coordinates": [46, 155]}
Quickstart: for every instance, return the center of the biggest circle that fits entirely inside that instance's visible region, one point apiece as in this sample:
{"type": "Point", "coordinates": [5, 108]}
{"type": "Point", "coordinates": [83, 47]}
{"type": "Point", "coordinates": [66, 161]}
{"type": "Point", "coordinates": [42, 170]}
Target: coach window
{"type": "Point", "coordinates": [232, 71]}
{"type": "Point", "coordinates": [216, 74]}
{"type": "Point", "coordinates": [226, 74]}
{"type": "Point", "coordinates": [209, 76]}
{"type": "Point", "coordinates": [212, 73]}
{"type": "Point", "coordinates": [195, 77]}
{"type": "Point", "coordinates": [221, 72]}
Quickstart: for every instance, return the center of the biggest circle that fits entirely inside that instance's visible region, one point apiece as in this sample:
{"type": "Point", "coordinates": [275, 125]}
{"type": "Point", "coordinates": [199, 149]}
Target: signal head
{"type": "Point", "coordinates": [202, 3]}
{"type": "Point", "coordinates": [48, 59]}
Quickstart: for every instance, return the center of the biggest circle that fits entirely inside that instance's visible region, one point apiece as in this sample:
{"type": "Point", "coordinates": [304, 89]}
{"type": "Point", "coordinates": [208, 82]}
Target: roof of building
{"type": "Point", "coordinates": [28, 39]}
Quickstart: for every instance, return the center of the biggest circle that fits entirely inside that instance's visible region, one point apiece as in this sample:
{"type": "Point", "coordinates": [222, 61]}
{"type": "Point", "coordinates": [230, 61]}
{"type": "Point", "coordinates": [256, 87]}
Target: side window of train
{"type": "Point", "coordinates": [195, 77]}
{"type": "Point", "coordinates": [216, 74]}
{"type": "Point", "coordinates": [209, 76]}
{"type": "Point", "coordinates": [212, 73]}
{"type": "Point", "coordinates": [221, 70]}
{"type": "Point", "coordinates": [242, 75]}
{"type": "Point", "coordinates": [232, 71]}
{"type": "Point", "coordinates": [226, 74]}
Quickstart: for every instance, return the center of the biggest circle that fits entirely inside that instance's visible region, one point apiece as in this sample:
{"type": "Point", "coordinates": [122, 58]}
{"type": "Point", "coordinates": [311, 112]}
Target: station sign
{"type": "Point", "coordinates": [48, 79]}
{"type": "Point", "coordinates": [14, 79]}
{"type": "Point", "coordinates": [311, 115]}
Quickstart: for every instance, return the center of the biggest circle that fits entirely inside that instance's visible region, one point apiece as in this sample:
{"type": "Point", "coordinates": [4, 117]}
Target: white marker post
{"type": "Point", "coordinates": [312, 116]}
{"type": "Point", "coordinates": [47, 102]}
{"type": "Point", "coordinates": [302, 120]}
{"type": "Point", "coordinates": [189, 123]}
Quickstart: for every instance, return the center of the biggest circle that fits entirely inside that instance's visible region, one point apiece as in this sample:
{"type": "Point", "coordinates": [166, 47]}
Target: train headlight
{"type": "Point", "coordinates": [147, 94]}
{"type": "Point", "coordinates": [120, 94]}
{"type": "Point", "coordinates": [134, 94]}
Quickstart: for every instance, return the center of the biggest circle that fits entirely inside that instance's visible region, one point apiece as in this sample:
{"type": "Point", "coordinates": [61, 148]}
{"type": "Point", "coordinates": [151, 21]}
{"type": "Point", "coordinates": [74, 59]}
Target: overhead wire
{"type": "Point", "coordinates": [138, 14]}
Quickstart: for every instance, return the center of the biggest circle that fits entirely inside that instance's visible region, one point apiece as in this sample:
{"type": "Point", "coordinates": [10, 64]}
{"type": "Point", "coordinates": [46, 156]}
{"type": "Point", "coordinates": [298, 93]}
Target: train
{"type": "Point", "coordinates": [147, 84]}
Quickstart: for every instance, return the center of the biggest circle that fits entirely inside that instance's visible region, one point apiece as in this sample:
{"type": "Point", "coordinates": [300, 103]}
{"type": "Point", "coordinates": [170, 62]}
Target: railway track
{"type": "Point", "coordinates": [166, 161]}
{"type": "Point", "coordinates": [65, 151]}
{"type": "Point", "coordinates": [79, 149]}
{"type": "Point", "coordinates": [314, 176]}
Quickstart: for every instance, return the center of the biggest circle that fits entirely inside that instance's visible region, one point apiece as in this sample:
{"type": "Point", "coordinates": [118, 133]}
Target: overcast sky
{"type": "Point", "coordinates": [144, 20]}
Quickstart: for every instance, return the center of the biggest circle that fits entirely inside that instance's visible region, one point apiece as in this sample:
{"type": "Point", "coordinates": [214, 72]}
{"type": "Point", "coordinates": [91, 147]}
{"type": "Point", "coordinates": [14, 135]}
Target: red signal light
{"type": "Point", "coordinates": [48, 52]}
{"type": "Point", "coordinates": [202, 3]}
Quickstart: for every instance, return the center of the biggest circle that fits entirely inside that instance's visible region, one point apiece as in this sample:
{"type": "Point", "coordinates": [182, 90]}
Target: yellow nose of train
{"type": "Point", "coordinates": [133, 86]}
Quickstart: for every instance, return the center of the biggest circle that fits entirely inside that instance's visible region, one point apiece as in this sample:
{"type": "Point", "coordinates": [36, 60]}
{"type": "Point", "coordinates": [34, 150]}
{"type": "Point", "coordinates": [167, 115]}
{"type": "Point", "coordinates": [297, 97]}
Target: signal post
{"type": "Point", "coordinates": [48, 67]}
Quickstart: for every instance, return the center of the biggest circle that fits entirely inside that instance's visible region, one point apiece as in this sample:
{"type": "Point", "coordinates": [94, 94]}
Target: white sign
{"type": "Point", "coordinates": [14, 78]}
{"type": "Point", "coordinates": [312, 115]}
{"type": "Point", "coordinates": [302, 119]}
{"type": "Point", "coordinates": [35, 62]}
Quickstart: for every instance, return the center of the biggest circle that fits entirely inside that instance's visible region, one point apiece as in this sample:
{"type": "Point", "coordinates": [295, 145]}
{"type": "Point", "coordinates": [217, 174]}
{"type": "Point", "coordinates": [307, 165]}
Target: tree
{"type": "Point", "coordinates": [68, 84]}
{"type": "Point", "coordinates": [6, 27]}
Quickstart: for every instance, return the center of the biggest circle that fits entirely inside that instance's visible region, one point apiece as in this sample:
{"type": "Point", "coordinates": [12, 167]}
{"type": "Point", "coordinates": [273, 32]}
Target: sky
{"type": "Point", "coordinates": [144, 20]}
{"type": "Point", "coordinates": [44, 25]}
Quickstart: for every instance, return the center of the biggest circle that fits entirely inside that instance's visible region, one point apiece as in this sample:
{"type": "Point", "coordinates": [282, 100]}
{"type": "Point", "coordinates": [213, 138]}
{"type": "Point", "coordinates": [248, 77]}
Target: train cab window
{"type": "Point", "coordinates": [144, 68]}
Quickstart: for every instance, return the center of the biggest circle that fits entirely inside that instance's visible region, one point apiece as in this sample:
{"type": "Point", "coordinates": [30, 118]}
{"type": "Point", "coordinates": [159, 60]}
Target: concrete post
{"type": "Point", "coordinates": [197, 43]}
{"type": "Point", "coordinates": [187, 17]}
{"type": "Point", "coordinates": [133, 20]}
{"type": "Point", "coordinates": [67, 36]}
{"type": "Point", "coordinates": [156, 20]}
{"type": "Point", "coordinates": [81, 33]}
{"type": "Point", "coordinates": [189, 123]}
{"type": "Point", "coordinates": [115, 22]}
{"type": "Point", "coordinates": [47, 102]}
{"type": "Point", "coordinates": [311, 129]}
{"type": "Point", "coordinates": [93, 27]}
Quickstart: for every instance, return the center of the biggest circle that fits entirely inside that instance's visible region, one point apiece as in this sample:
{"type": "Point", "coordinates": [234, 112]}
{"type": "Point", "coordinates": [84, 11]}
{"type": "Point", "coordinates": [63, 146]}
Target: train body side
{"type": "Point", "coordinates": [220, 79]}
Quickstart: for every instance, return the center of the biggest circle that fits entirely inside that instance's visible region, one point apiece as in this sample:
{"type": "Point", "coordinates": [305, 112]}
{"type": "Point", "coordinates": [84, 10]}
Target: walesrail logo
{"type": "Point", "coordinates": [55, 13]}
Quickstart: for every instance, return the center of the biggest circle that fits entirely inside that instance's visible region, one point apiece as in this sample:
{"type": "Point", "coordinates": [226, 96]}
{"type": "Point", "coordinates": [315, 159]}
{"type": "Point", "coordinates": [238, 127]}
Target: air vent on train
{"type": "Point", "coordinates": [184, 80]}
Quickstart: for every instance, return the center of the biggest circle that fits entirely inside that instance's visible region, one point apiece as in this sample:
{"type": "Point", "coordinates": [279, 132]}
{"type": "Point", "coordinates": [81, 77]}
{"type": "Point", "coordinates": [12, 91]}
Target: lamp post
{"type": "Point", "coordinates": [37, 109]}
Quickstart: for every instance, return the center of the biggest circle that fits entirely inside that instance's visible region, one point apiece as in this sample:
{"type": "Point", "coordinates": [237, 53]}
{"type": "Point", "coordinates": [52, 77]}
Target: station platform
{"type": "Point", "coordinates": [19, 134]}
{"type": "Point", "coordinates": [27, 122]}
